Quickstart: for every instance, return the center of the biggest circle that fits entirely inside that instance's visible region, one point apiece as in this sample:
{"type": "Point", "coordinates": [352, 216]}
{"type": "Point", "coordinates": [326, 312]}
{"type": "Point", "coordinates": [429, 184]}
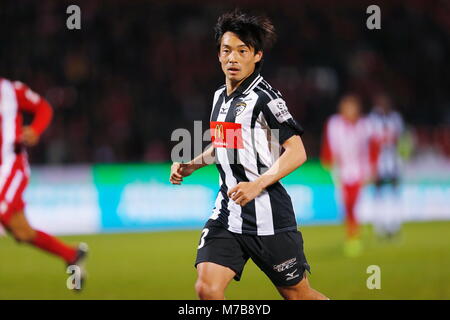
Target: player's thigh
{"type": "Point", "coordinates": [280, 257]}
{"type": "Point", "coordinates": [12, 204]}
{"type": "Point", "coordinates": [214, 275]}
{"type": "Point", "coordinates": [219, 248]}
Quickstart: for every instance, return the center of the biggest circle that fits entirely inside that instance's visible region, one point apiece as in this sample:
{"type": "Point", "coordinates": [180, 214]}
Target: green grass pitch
{"type": "Point", "coordinates": [159, 265]}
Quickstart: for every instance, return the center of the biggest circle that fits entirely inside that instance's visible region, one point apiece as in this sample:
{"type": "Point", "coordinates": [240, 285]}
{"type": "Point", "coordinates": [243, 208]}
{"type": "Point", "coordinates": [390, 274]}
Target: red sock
{"type": "Point", "coordinates": [53, 245]}
{"type": "Point", "coordinates": [351, 193]}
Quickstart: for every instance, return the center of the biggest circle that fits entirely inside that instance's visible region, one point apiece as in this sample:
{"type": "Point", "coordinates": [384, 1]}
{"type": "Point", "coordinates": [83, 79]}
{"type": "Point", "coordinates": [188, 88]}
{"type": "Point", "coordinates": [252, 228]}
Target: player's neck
{"type": "Point", "coordinates": [233, 85]}
{"type": "Point", "coordinates": [351, 120]}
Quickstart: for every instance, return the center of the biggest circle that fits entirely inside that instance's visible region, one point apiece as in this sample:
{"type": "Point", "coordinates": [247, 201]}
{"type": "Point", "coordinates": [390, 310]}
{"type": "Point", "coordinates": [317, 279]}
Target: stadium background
{"type": "Point", "coordinates": [138, 70]}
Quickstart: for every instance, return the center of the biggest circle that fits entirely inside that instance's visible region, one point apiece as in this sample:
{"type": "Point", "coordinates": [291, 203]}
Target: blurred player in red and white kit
{"type": "Point", "coordinates": [347, 149]}
{"type": "Point", "coordinates": [387, 126]}
{"type": "Point", "coordinates": [16, 98]}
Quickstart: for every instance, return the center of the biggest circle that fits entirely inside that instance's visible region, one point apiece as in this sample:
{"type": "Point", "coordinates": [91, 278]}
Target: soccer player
{"type": "Point", "coordinates": [16, 98]}
{"type": "Point", "coordinates": [387, 126]}
{"type": "Point", "coordinates": [347, 149]}
{"type": "Point", "coordinates": [253, 215]}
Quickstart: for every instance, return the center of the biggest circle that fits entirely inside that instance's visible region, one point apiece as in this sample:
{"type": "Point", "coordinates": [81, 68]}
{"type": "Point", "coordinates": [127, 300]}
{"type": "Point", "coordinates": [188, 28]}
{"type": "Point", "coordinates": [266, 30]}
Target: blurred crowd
{"type": "Point", "coordinates": [137, 70]}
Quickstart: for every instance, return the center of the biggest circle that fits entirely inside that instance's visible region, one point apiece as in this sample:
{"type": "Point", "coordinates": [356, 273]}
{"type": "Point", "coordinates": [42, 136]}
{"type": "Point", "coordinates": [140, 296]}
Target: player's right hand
{"type": "Point", "coordinates": [29, 137]}
{"type": "Point", "coordinates": [178, 171]}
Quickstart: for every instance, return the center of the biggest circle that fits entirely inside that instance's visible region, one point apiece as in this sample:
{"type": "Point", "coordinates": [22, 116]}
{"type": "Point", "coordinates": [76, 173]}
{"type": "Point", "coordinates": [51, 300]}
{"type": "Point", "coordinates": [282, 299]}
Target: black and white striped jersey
{"type": "Point", "coordinates": [247, 130]}
{"type": "Point", "coordinates": [387, 128]}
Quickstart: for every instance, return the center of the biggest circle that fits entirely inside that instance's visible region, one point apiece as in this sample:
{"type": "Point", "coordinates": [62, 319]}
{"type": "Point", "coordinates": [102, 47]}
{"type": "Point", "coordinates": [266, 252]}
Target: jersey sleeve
{"type": "Point", "coordinates": [279, 118]}
{"type": "Point", "coordinates": [30, 101]}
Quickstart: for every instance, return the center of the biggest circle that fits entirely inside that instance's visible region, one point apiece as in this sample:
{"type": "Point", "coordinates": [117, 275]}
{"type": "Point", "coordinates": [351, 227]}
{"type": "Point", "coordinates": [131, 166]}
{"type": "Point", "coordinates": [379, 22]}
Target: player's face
{"type": "Point", "coordinates": [383, 102]}
{"type": "Point", "coordinates": [237, 59]}
{"type": "Point", "coordinates": [350, 108]}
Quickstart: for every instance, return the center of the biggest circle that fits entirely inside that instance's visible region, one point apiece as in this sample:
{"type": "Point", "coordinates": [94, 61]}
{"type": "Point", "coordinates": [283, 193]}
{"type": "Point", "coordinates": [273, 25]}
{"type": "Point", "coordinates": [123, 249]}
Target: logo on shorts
{"type": "Point", "coordinates": [285, 265]}
{"type": "Point", "coordinates": [292, 275]}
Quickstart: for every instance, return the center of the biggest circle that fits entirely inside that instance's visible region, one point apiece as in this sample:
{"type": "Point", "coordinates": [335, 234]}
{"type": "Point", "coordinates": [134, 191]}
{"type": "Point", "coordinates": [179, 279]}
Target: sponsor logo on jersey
{"type": "Point", "coordinates": [226, 135]}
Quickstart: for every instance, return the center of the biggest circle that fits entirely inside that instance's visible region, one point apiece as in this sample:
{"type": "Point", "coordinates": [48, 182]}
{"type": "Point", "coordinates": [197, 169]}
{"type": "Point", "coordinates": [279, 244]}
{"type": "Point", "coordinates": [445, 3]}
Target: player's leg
{"type": "Point", "coordinates": [395, 197]}
{"type": "Point", "coordinates": [388, 219]}
{"type": "Point", "coordinates": [21, 230]}
{"type": "Point", "coordinates": [14, 220]}
{"type": "Point", "coordinates": [282, 259]}
{"type": "Point", "coordinates": [219, 259]}
{"type": "Point", "coordinates": [353, 245]}
{"type": "Point", "coordinates": [351, 194]}
{"type": "Point", "coordinates": [379, 210]}
{"type": "Point", "coordinates": [301, 291]}
{"type": "Point", "coordinates": [212, 280]}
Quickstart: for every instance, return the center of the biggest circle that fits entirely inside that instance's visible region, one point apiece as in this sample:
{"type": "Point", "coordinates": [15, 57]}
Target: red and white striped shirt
{"type": "Point", "coordinates": [15, 98]}
{"type": "Point", "coordinates": [347, 148]}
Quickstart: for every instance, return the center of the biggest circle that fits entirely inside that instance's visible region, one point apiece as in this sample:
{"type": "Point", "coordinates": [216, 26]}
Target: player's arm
{"type": "Point", "coordinates": [294, 156]}
{"type": "Point", "coordinates": [180, 170]}
{"type": "Point", "coordinates": [31, 102]}
{"type": "Point", "coordinates": [288, 131]}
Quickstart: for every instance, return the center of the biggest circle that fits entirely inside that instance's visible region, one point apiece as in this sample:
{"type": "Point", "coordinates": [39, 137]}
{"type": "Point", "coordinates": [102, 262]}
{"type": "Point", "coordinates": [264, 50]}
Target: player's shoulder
{"type": "Point", "coordinates": [23, 90]}
{"type": "Point", "coordinates": [218, 92]}
{"type": "Point", "coordinates": [220, 89]}
{"type": "Point", "coordinates": [18, 85]}
{"type": "Point", "coordinates": [396, 115]}
{"type": "Point", "coordinates": [374, 114]}
{"type": "Point", "coordinates": [15, 84]}
{"type": "Point", "coordinates": [335, 118]}
{"type": "Point", "coordinates": [266, 92]}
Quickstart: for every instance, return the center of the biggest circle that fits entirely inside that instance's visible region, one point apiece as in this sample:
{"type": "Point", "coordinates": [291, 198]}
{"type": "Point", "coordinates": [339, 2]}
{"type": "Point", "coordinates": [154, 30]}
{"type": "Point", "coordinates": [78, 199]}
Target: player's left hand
{"type": "Point", "coordinates": [244, 192]}
{"type": "Point", "coordinates": [29, 136]}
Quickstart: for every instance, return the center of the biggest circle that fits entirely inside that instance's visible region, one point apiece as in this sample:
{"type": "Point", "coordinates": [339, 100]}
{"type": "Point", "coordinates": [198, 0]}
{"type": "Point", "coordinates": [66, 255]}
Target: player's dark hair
{"type": "Point", "coordinates": [257, 32]}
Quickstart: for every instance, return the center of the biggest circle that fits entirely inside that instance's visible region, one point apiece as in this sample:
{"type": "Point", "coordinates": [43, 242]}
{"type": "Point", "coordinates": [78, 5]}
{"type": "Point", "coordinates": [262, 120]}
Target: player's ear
{"type": "Point", "coordinates": [258, 56]}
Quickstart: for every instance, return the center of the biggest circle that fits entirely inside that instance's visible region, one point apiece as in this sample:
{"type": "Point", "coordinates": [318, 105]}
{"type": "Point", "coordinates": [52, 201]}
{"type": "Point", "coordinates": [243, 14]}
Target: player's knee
{"type": "Point", "coordinates": [300, 291]}
{"type": "Point", "coordinates": [23, 234]}
{"type": "Point", "coordinates": [208, 291]}
{"type": "Point", "coordinates": [298, 294]}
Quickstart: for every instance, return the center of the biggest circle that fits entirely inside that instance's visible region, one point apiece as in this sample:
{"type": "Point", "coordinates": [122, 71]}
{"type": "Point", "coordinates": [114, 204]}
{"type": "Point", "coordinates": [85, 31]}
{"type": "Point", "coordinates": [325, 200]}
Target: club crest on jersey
{"type": "Point", "coordinates": [240, 107]}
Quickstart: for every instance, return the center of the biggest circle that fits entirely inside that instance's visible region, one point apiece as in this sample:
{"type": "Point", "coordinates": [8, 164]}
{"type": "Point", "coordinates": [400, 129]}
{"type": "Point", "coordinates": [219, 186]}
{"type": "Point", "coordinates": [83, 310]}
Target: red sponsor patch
{"type": "Point", "coordinates": [226, 135]}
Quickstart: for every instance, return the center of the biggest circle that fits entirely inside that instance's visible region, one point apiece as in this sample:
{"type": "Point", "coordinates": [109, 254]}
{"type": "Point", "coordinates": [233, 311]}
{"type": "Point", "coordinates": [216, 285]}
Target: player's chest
{"type": "Point", "coordinates": [230, 122]}
{"type": "Point", "coordinates": [238, 110]}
